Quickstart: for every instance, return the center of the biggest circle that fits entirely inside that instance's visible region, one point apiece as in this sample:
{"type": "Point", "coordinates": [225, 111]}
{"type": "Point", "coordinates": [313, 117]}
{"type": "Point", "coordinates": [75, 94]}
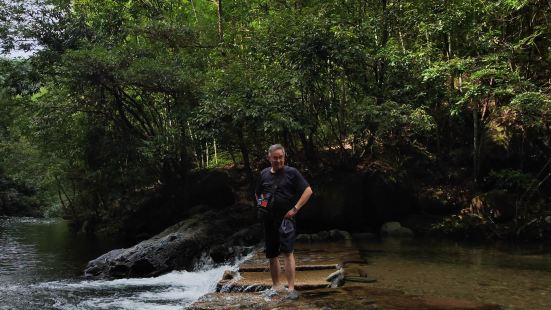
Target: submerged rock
{"type": "Point", "coordinates": [395, 229]}
{"type": "Point", "coordinates": [224, 234]}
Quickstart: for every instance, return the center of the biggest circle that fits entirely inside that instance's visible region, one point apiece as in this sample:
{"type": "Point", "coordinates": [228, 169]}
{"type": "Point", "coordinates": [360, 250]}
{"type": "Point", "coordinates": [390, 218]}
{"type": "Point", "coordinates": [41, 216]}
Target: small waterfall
{"type": "Point", "coordinates": [174, 290]}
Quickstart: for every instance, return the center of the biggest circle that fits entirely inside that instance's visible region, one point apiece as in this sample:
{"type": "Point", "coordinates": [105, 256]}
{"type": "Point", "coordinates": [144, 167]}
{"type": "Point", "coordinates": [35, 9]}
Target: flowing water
{"type": "Point", "coordinates": [41, 267]}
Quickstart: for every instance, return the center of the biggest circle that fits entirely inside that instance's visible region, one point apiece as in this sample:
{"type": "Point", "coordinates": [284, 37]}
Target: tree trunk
{"type": "Point", "coordinates": [476, 143]}
{"type": "Point", "coordinates": [245, 154]}
{"type": "Point", "coordinates": [309, 151]}
{"type": "Point", "coordinates": [215, 152]}
{"type": "Point", "coordinates": [220, 19]}
{"type": "Point", "coordinates": [382, 61]}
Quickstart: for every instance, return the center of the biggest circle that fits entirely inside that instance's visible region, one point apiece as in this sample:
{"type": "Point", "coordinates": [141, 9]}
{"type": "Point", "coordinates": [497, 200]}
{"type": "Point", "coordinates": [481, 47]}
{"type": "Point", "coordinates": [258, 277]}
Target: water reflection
{"type": "Point", "coordinates": [470, 255]}
{"type": "Point", "coordinates": [44, 249]}
{"type": "Point", "coordinates": [514, 276]}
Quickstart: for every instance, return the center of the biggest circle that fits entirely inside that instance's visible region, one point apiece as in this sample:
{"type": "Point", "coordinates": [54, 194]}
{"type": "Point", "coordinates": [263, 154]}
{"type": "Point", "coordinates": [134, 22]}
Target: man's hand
{"type": "Point", "coordinates": [291, 213]}
{"type": "Point", "coordinates": [302, 200]}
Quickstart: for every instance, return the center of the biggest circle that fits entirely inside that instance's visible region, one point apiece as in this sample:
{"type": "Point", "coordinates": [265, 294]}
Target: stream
{"type": "Point", "coordinates": [42, 263]}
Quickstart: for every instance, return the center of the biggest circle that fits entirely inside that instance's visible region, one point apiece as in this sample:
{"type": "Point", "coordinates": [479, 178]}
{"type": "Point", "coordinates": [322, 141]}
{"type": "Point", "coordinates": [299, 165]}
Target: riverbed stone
{"type": "Point", "coordinates": [303, 238]}
{"type": "Point", "coordinates": [182, 246]}
{"type": "Point", "coordinates": [229, 275]}
{"type": "Point", "coordinates": [337, 235]}
{"type": "Point", "coordinates": [395, 229]}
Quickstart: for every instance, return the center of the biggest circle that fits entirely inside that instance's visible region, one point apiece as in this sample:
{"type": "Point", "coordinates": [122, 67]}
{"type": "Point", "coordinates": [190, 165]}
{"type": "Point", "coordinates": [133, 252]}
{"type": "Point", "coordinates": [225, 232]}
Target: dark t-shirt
{"type": "Point", "coordinates": [291, 185]}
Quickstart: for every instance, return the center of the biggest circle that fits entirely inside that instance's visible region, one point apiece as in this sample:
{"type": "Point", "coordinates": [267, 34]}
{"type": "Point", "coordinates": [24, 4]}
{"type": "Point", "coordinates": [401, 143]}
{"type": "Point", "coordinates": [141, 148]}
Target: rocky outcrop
{"type": "Point", "coordinates": [395, 229]}
{"type": "Point", "coordinates": [221, 234]}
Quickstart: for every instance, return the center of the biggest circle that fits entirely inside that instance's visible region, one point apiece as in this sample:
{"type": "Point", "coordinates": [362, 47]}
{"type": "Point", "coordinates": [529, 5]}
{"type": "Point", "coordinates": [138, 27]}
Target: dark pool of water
{"type": "Point", "coordinates": [44, 249]}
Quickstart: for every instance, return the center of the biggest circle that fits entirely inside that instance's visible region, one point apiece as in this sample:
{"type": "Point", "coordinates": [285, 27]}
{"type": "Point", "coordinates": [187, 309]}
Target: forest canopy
{"type": "Point", "coordinates": [121, 98]}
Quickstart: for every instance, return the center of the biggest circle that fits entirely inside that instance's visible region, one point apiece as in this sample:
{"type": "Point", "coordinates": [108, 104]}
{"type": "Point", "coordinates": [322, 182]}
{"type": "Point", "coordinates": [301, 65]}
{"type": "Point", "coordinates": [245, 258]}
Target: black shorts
{"type": "Point", "coordinates": [277, 242]}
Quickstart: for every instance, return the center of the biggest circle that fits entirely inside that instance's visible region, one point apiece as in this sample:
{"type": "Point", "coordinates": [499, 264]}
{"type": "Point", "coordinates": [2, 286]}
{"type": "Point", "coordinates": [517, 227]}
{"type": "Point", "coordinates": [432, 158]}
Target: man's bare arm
{"type": "Point", "coordinates": [301, 202]}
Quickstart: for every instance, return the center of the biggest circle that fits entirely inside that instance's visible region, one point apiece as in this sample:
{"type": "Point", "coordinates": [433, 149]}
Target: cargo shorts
{"type": "Point", "coordinates": [280, 235]}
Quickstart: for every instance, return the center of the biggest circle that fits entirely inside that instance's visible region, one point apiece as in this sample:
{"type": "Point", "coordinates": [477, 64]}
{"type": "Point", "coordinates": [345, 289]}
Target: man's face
{"type": "Point", "coordinates": [277, 159]}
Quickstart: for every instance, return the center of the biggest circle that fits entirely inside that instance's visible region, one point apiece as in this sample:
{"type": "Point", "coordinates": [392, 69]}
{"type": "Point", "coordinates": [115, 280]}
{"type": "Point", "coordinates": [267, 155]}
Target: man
{"type": "Point", "coordinates": [290, 193]}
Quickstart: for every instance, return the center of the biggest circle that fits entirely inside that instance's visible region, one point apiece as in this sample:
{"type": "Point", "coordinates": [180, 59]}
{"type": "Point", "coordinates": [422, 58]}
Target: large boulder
{"type": "Point", "coordinates": [180, 246]}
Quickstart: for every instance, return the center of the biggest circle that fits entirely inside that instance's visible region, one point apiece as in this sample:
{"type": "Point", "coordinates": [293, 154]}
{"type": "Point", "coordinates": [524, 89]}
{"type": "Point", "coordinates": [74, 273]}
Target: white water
{"type": "Point", "coordinates": [175, 290]}
{"type": "Point", "coordinates": [41, 265]}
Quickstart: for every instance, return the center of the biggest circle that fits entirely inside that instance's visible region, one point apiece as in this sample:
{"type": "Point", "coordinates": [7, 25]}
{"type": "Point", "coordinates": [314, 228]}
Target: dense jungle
{"type": "Point", "coordinates": [120, 116]}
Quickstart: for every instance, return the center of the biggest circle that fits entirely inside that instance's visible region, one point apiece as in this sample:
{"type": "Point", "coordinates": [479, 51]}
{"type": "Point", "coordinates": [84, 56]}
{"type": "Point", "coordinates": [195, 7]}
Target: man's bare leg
{"type": "Point", "coordinates": [274, 272]}
{"type": "Point", "coordinates": [290, 270]}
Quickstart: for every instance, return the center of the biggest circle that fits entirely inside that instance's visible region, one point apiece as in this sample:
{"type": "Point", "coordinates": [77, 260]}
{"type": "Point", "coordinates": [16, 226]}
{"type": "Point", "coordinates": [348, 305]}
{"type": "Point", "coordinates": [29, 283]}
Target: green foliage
{"type": "Point", "coordinates": [533, 109]}
{"type": "Point", "coordinates": [512, 180]}
{"type": "Point", "coordinates": [391, 123]}
{"type": "Point", "coordinates": [124, 98]}
{"type": "Point", "coordinates": [464, 226]}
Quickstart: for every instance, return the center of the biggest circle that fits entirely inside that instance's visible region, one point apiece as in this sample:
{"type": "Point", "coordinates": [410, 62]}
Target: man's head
{"type": "Point", "coordinates": [276, 156]}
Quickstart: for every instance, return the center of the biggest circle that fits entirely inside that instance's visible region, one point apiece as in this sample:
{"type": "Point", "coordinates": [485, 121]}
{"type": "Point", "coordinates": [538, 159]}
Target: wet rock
{"type": "Point", "coordinates": [334, 275]}
{"type": "Point", "coordinates": [355, 270]}
{"type": "Point", "coordinates": [363, 236]}
{"type": "Point", "coordinates": [323, 235]}
{"type": "Point", "coordinates": [331, 235]}
{"type": "Point", "coordinates": [395, 229]}
{"type": "Point", "coordinates": [220, 253]}
{"type": "Point", "coordinates": [336, 235]}
{"type": "Point", "coordinates": [180, 246]}
{"type": "Point", "coordinates": [336, 278]}
{"type": "Point", "coordinates": [229, 275]}
{"type": "Point", "coordinates": [303, 238]}
{"type": "Point", "coordinates": [360, 279]}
